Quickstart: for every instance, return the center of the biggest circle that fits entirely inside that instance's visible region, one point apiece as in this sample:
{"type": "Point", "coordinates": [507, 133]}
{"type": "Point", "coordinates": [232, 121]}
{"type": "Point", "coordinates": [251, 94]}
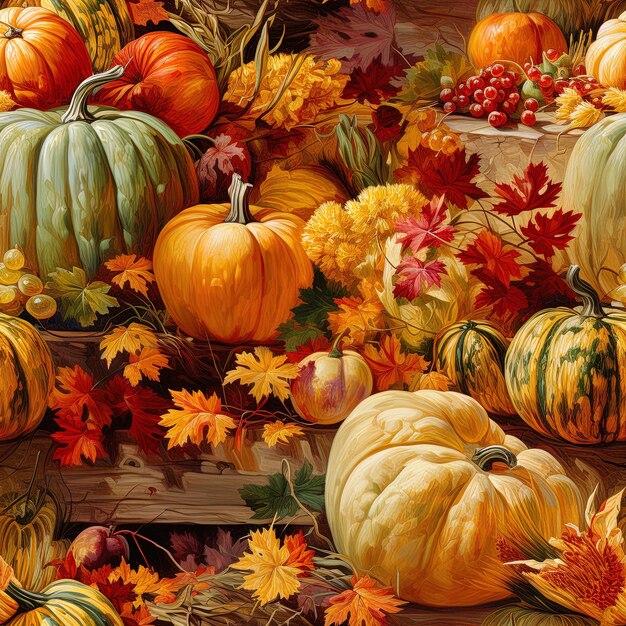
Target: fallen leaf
{"type": "Point", "coordinates": [432, 380]}
{"type": "Point", "coordinates": [493, 257]}
{"type": "Point", "coordinates": [357, 317]}
{"type": "Point", "coordinates": [549, 233]}
{"type": "Point", "coordinates": [279, 432]}
{"type": "Point", "coordinates": [266, 373]}
{"type": "Point", "coordinates": [302, 350]}
{"type": "Point", "coordinates": [197, 420]}
{"type": "Point", "coordinates": [118, 592]}
{"type": "Point", "coordinates": [137, 272]}
{"type": "Point", "coordinates": [147, 363]}
{"type": "Point", "coordinates": [299, 554]}
{"type": "Point", "coordinates": [80, 299]}
{"type": "Point", "coordinates": [144, 11]}
{"type": "Point", "coordinates": [78, 440]}
{"type": "Point", "coordinates": [131, 339]}
{"type": "Point", "coordinates": [374, 83]}
{"type": "Point", "coordinates": [390, 366]}
{"type": "Point", "coordinates": [226, 551]}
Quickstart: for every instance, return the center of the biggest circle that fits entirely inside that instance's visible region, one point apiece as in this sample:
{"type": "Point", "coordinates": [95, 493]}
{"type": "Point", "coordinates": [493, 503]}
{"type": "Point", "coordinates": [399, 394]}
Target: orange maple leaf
{"type": "Point", "coordinates": [144, 11]}
{"type": "Point", "coordinates": [299, 554]}
{"type": "Point", "coordinates": [356, 318]}
{"type": "Point", "coordinates": [378, 6]}
{"type": "Point", "coordinates": [78, 440]}
{"type": "Point", "coordinates": [136, 617]}
{"type": "Point", "coordinates": [432, 380]}
{"type": "Point", "coordinates": [366, 604]}
{"type": "Point", "coordinates": [390, 366]}
{"type": "Point", "coordinates": [147, 363]}
{"type": "Point", "coordinates": [137, 272]}
{"type": "Point", "coordinates": [197, 581]}
{"type": "Point", "coordinates": [198, 420]}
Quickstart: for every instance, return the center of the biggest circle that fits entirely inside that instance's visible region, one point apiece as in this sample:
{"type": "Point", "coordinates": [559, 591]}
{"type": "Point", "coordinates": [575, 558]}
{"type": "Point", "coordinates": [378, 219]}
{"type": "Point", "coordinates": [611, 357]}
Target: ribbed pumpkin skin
{"type": "Point", "coordinates": [42, 65]}
{"type": "Point", "coordinates": [471, 354]}
{"type": "Point", "coordinates": [26, 375]}
{"type": "Point", "coordinates": [169, 76]}
{"type": "Point", "coordinates": [408, 502]}
{"type": "Point", "coordinates": [66, 603]}
{"type": "Point", "coordinates": [605, 57]}
{"type": "Point", "coordinates": [105, 25]}
{"type": "Point", "coordinates": [231, 282]}
{"type": "Point", "coordinates": [77, 193]}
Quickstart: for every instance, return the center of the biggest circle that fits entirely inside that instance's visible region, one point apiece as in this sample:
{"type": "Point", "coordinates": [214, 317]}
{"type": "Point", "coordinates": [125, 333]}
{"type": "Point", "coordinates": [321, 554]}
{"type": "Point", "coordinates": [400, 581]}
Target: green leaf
{"type": "Point", "coordinates": [275, 499]}
{"type": "Point", "coordinates": [80, 300]}
{"type": "Point", "coordinates": [295, 335]}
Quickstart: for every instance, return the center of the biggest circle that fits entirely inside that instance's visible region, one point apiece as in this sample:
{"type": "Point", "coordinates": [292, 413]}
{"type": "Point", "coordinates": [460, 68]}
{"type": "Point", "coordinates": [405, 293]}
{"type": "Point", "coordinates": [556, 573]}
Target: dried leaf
{"type": "Point", "coordinates": [147, 363]}
{"type": "Point", "coordinates": [551, 232]}
{"type": "Point", "coordinates": [144, 11]}
{"type": "Point", "coordinates": [432, 380]}
{"type": "Point", "coordinates": [415, 276]}
{"type": "Point", "coordinates": [493, 257]}
{"type": "Point", "coordinates": [78, 440]}
{"type": "Point", "coordinates": [279, 432]}
{"type": "Point", "coordinates": [132, 339]}
{"type": "Point", "coordinates": [357, 317]}
{"type": "Point", "coordinates": [137, 272]}
{"type": "Point", "coordinates": [430, 229]}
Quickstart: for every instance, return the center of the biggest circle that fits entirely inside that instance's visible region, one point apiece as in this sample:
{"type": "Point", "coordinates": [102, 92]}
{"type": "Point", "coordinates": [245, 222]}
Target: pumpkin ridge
{"type": "Point", "coordinates": [611, 406]}
{"type": "Point", "coordinates": [493, 339]}
{"type": "Point", "coordinates": [458, 362]}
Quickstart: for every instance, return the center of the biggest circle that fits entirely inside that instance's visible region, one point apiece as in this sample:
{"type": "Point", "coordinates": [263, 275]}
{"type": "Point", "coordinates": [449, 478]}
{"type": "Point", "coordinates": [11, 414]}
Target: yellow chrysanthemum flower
{"type": "Point", "coordinates": [377, 209]}
{"type": "Point", "coordinates": [316, 86]}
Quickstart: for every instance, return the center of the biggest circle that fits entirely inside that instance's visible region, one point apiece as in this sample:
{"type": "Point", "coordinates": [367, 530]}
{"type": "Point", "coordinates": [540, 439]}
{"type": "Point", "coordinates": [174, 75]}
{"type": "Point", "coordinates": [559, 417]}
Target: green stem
{"type": "Point", "coordinates": [486, 457]}
{"type": "Point", "coordinates": [239, 193]}
{"type": "Point", "coordinates": [78, 110]}
{"type": "Point", "coordinates": [592, 306]}
{"type": "Point", "coordinates": [27, 600]}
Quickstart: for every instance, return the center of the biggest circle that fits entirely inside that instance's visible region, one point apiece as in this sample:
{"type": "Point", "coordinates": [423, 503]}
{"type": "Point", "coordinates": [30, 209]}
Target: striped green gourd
{"type": "Point", "coordinates": [471, 354]}
{"type": "Point", "coordinates": [566, 370]}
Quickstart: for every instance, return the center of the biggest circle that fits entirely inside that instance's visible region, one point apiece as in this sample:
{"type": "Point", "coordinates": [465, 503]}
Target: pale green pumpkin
{"type": "Point", "coordinates": [79, 184]}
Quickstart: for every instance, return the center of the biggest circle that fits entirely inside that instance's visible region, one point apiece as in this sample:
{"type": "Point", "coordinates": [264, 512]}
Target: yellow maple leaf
{"type": "Point", "coordinates": [272, 577]}
{"type": "Point", "coordinates": [390, 366]}
{"type": "Point", "coordinates": [366, 604]}
{"type": "Point", "coordinates": [432, 380]}
{"type": "Point", "coordinates": [147, 363]}
{"type": "Point", "coordinates": [131, 338]}
{"type": "Point", "coordinates": [279, 432]}
{"type": "Point", "coordinates": [136, 271]}
{"type": "Point", "coordinates": [146, 582]}
{"type": "Point", "coordinates": [356, 318]}
{"type": "Point", "coordinates": [198, 419]}
{"type": "Point", "coordinates": [265, 372]}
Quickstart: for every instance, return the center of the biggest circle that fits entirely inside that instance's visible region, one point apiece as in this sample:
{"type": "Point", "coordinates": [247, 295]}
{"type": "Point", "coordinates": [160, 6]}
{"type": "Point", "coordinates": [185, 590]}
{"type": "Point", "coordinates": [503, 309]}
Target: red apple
{"type": "Point", "coordinates": [97, 546]}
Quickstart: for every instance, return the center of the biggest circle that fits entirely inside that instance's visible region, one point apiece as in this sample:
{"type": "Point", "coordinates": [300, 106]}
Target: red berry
{"type": "Point", "coordinates": [527, 66]}
{"type": "Point", "coordinates": [546, 81]}
{"type": "Point", "coordinates": [477, 110]}
{"type": "Point", "coordinates": [561, 85]}
{"type": "Point", "coordinates": [462, 89]}
{"type": "Point", "coordinates": [449, 107]}
{"type": "Point", "coordinates": [446, 95]}
{"type": "Point", "coordinates": [491, 92]}
{"type": "Point", "coordinates": [552, 54]}
{"type": "Point", "coordinates": [490, 105]}
{"type": "Point", "coordinates": [497, 119]}
{"type": "Point", "coordinates": [529, 118]}
{"type": "Point", "coordinates": [513, 98]}
{"type": "Point", "coordinates": [497, 69]}
{"type": "Point", "coordinates": [475, 82]}
{"type": "Point", "coordinates": [531, 104]}
{"type": "Point", "coordinates": [495, 82]}
{"type": "Point", "coordinates": [462, 101]}
{"type": "Point", "coordinates": [534, 74]}
{"type": "Point", "coordinates": [507, 82]}
{"type": "Point", "coordinates": [579, 70]}
{"type": "Point", "coordinates": [508, 107]}
{"type": "Point", "coordinates": [501, 96]}
{"type": "Point", "coordinates": [479, 95]}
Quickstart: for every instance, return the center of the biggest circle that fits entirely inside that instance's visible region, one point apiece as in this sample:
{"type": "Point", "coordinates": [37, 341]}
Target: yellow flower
{"type": "Point", "coordinates": [377, 209]}
{"type": "Point", "coordinates": [566, 104]}
{"type": "Point", "coordinates": [6, 101]}
{"type": "Point", "coordinates": [268, 374]}
{"type": "Point", "coordinates": [616, 99]}
{"type": "Point", "coordinates": [272, 576]}
{"type": "Point", "coordinates": [589, 574]}
{"type": "Point", "coordinates": [316, 86]}
{"type": "Point", "coordinates": [585, 115]}
{"type": "Point", "coordinates": [279, 432]}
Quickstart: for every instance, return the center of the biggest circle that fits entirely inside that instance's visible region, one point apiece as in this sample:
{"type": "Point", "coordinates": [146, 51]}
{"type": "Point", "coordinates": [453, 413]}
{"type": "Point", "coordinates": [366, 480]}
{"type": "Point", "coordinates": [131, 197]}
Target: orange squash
{"type": "Point", "coordinates": [513, 37]}
{"type": "Point", "coordinates": [231, 273]}
{"type": "Point", "coordinates": [169, 76]}
{"type": "Point", "coordinates": [42, 57]}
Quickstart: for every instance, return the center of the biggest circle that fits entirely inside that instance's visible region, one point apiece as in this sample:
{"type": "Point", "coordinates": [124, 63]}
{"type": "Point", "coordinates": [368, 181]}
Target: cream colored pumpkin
{"type": "Point", "coordinates": [421, 486]}
{"type": "Point", "coordinates": [606, 56]}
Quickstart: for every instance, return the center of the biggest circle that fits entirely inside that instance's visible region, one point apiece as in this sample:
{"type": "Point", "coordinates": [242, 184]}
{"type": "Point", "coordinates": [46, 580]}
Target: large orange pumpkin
{"type": "Point", "coordinates": [231, 273]}
{"type": "Point", "coordinates": [168, 76]}
{"type": "Point", "coordinates": [513, 37]}
{"type": "Point", "coordinates": [42, 57]}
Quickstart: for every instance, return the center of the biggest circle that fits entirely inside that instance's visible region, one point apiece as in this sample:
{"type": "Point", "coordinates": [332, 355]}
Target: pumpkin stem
{"type": "Point", "coordinates": [13, 32]}
{"type": "Point", "coordinates": [78, 110]}
{"type": "Point", "coordinates": [239, 193]}
{"type": "Point", "coordinates": [26, 600]}
{"type": "Point", "coordinates": [486, 457]}
{"type": "Point", "coordinates": [592, 306]}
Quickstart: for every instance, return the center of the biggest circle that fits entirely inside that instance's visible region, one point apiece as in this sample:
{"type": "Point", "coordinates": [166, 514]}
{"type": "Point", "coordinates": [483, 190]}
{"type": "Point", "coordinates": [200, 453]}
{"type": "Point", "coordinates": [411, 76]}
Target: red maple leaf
{"type": "Point", "coordinates": [439, 174]}
{"type": "Point", "coordinates": [548, 233]}
{"type": "Point", "coordinates": [533, 190]}
{"type": "Point", "coordinates": [387, 123]}
{"type": "Point", "coordinates": [427, 230]}
{"type": "Point", "coordinates": [319, 344]}
{"type": "Point", "coordinates": [373, 84]}
{"type": "Point", "coordinates": [118, 592]}
{"type": "Point", "coordinates": [415, 274]}
{"type": "Point", "coordinates": [76, 397]}
{"type": "Point", "coordinates": [493, 258]}
{"type": "Point", "coordinates": [79, 439]}
{"type": "Point", "coordinates": [300, 556]}
{"type": "Point", "coordinates": [501, 298]}
{"type": "Point", "coordinates": [145, 408]}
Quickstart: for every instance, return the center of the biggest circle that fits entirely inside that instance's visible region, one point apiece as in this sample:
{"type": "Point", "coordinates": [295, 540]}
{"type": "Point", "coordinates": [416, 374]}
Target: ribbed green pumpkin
{"type": "Point", "coordinates": [566, 370]}
{"type": "Point", "coordinates": [79, 184]}
{"type": "Point", "coordinates": [471, 354]}
{"type": "Point", "coordinates": [105, 25]}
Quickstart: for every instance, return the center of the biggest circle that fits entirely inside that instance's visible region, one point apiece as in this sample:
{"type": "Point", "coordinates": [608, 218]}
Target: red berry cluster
{"type": "Point", "coordinates": [492, 94]}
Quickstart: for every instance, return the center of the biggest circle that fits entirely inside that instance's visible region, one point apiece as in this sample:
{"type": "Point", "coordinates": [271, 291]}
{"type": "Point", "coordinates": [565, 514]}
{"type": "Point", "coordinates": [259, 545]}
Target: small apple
{"type": "Point", "coordinates": [97, 546]}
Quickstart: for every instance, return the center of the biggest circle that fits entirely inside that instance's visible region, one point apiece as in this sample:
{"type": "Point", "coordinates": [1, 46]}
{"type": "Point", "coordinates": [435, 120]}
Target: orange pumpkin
{"type": "Point", "coordinates": [231, 273]}
{"type": "Point", "coordinates": [42, 57]}
{"type": "Point", "coordinates": [330, 385]}
{"type": "Point", "coordinates": [168, 76]}
{"type": "Point", "coordinates": [513, 37]}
